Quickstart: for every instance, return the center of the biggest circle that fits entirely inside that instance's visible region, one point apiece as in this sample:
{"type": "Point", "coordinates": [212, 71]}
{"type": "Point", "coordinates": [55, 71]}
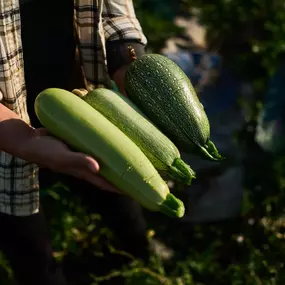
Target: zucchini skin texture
{"type": "Point", "coordinates": [121, 162]}
{"type": "Point", "coordinates": [161, 89]}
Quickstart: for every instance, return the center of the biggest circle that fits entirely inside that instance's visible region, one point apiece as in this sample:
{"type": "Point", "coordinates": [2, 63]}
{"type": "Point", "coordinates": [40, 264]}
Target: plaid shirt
{"type": "Point", "coordinates": [96, 23]}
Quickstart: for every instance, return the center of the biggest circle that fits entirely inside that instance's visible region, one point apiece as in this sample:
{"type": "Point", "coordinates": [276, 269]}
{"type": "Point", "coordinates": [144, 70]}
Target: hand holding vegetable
{"type": "Point", "coordinates": [119, 79]}
{"type": "Point", "coordinates": [37, 146]}
{"type": "Point", "coordinates": [50, 152]}
{"type": "Point", "coordinates": [123, 163]}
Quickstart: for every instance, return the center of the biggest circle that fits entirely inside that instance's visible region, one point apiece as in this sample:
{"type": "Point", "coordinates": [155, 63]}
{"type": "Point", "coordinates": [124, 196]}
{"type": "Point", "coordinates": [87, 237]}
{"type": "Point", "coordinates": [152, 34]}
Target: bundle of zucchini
{"type": "Point", "coordinates": [162, 153]}
{"type": "Point", "coordinates": [134, 140]}
{"type": "Point", "coordinates": [121, 161]}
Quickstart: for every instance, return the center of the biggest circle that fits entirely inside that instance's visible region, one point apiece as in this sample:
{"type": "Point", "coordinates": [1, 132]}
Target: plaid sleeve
{"type": "Point", "coordinates": [91, 42]}
{"type": "Point", "coordinates": [19, 189]}
{"type": "Point", "coordinates": [12, 82]}
{"type": "Point", "coordinates": [121, 28]}
{"type": "Point", "coordinates": [120, 21]}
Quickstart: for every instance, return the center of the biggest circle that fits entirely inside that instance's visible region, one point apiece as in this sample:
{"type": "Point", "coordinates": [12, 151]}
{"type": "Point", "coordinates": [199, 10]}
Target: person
{"type": "Point", "coordinates": [38, 44]}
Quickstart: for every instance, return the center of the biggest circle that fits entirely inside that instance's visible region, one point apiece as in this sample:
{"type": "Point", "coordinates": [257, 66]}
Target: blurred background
{"type": "Point", "coordinates": [234, 228]}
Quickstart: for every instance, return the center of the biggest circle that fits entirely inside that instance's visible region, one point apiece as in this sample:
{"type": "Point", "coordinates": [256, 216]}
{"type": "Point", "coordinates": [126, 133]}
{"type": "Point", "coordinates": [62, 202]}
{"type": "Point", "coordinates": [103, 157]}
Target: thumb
{"type": "Point", "coordinates": [83, 162]}
{"type": "Point", "coordinates": [42, 132]}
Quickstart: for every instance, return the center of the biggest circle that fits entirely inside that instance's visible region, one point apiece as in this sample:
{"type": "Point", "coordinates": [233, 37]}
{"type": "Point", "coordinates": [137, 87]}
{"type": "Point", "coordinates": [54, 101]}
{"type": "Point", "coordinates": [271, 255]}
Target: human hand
{"type": "Point", "coordinates": [47, 151]}
{"type": "Point", "coordinates": [119, 79]}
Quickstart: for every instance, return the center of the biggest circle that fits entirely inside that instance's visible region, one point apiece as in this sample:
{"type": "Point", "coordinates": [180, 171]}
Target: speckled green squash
{"type": "Point", "coordinates": [165, 94]}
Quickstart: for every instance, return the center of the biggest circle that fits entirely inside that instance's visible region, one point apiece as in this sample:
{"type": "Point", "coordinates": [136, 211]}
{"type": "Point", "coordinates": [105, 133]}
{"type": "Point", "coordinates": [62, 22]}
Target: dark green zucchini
{"type": "Point", "coordinates": [165, 94]}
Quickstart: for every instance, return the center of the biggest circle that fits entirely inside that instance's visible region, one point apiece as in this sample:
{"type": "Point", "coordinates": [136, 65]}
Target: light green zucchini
{"type": "Point", "coordinates": [121, 161]}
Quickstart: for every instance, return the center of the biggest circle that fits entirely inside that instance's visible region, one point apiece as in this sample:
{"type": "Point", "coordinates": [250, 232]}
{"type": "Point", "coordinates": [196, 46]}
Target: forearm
{"type": "Point", "coordinates": [118, 55]}
{"type": "Point", "coordinates": [13, 132]}
{"type": "Point", "coordinates": [122, 29]}
{"type": "Point", "coordinates": [118, 60]}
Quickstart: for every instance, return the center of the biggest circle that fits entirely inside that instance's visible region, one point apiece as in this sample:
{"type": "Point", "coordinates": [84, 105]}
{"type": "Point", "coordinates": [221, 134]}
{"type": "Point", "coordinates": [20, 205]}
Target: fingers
{"type": "Point", "coordinates": [86, 168]}
{"type": "Point", "coordinates": [42, 132]}
{"type": "Point", "coordinates": [102, 183]}
{"type": "Point", "coordinates": [94, 179]}
{"type": "Point", "coordinates": [83, 162]}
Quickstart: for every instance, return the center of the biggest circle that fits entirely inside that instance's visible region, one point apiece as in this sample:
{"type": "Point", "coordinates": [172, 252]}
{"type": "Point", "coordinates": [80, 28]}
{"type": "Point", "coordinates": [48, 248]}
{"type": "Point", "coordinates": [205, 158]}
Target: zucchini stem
{"type": "Point", "coordinates": [211, 152]}
{"type": "Point", "coordinates": [180, 171]}
{"type": "Point", "coordinates": [81, 93]}
{"type": "Point", "coordinates": [132, 53]}
{"type": "Point", "coordinates": [172, 207]}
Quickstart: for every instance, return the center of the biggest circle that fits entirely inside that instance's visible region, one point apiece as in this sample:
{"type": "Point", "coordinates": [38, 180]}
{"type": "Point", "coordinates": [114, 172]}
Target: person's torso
{"type": "Point", "coordinates": [12, 81]}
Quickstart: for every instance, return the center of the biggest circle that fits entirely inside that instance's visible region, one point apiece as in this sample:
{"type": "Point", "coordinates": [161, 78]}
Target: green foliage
{"type": "Point", "coordinates": [252, 29]}
{"type": "Point", "coordinates": [156, 18]}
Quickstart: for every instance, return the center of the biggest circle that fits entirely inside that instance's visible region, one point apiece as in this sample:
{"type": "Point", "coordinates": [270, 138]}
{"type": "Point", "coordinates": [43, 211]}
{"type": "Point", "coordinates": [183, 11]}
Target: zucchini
{"type": "Point", "coordinates": [160, 88]}
{"type": "Point", "coordinates": [119, 110]}
{"type": "Point", "coordinates": [121, 161]}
